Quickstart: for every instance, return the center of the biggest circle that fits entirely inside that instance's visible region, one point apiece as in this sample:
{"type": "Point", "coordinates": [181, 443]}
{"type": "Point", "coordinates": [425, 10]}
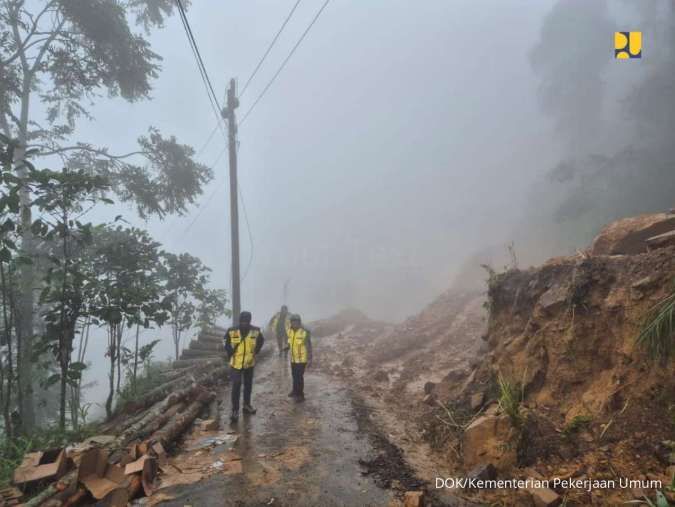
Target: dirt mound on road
{"type": "Point", "coordinates": [436, 346]}
{"type": "Point", "coordinates": [343, 322]}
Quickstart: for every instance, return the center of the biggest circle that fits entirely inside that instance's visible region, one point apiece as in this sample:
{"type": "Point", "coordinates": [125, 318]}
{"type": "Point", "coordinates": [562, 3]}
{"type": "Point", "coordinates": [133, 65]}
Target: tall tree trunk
{"type": "Point", "coordinates": [64, 335]}
{"type": "Point", "coordinates": [26, 301]}
{"type": "Point", "coordinates": [76, 390]}
{"type": "Point", "coordinates": [112, 350]}
{"type": "Point", "coordinates": [120, 331]}
{"type": "Point", "coordinates": [62, 397]}
{"type": "Point", "coordinates": [176, 324]}
{"type": "Point", "coordinates": [6, 374]}
{"type": "Point", "coordinates": [138, 330]}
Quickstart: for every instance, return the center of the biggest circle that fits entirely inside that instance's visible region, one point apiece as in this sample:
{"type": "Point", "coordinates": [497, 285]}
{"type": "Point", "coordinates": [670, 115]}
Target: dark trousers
{"type": "Point", "coordinates": [298, 372]}
{"type": "Point", "coordinates": [236, 377]}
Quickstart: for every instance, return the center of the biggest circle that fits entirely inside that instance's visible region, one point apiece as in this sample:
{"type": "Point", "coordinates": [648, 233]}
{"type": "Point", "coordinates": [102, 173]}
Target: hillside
{"type": "Point", "coordinates": [560, 336]}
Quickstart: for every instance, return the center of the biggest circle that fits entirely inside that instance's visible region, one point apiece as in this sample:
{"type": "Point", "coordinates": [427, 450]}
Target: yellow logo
{"type": "Point", "coordinates": [627, 45]}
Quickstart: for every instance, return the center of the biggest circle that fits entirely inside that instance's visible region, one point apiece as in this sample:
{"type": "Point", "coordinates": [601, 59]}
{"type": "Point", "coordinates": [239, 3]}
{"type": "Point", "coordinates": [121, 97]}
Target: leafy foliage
{"type": "Point", "coordinates": [212, 304]}
{"type": "Point", "coordinates": [128, 289]}
{"type": "Point", "coordinates": [185, 278]}
{"type": "Point", "coordinates": [61, 56]}
{"type": "Point", "coordinates": [71, 51]}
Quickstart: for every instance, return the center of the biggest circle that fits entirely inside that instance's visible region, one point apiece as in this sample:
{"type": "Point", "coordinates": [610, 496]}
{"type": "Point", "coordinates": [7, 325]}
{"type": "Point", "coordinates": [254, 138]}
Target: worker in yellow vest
{"type": "Point", "coordinates": [300, 345]}
{"type": "Point", "coordinates": [279, 325]}
{"type": "Point", "coordinates": [242, 344]}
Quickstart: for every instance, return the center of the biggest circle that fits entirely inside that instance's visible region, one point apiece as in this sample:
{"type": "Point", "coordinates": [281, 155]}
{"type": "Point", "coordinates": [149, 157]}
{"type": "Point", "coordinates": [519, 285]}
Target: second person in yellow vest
{"type": "Point", "coordinates": [300, 347]}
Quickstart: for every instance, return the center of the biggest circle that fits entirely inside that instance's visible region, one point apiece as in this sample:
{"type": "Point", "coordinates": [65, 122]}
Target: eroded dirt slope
{"type": "Point", "coordinates": [561, 336]}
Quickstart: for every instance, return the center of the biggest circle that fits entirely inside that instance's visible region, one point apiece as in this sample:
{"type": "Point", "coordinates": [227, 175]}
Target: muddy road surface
{"type": "Point", "coordinates": [289, 453]}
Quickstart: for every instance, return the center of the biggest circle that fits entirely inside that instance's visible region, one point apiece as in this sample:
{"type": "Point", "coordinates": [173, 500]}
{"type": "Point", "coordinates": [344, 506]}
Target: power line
{"type": "Point", "coordinates": [284, 62]}
{"type": "Point", "coordinates": [213, 98]}
{"type": "Point", "coordinates": [250, 235]}
{"type": "Point", "coordinates": [208, 141]}
{"type": "Point", "coordinates": [215, 104]}
{"type": "Point", "coordinates": [205, 204]}
{"type": "Point", "coordinates": [274, 40]}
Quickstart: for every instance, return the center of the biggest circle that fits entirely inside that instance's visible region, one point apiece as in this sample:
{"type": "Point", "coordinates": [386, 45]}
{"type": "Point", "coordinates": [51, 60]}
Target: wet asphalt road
{"type": "Point", "coordinates": [292, 454]}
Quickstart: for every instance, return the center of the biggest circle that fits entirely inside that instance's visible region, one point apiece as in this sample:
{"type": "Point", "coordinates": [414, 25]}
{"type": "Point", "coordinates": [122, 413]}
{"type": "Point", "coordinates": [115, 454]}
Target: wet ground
{"type": "Point", "coordinates": [290, 454]}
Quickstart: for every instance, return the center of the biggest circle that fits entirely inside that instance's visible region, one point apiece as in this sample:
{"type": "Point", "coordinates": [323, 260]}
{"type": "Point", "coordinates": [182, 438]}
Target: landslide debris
{"type": "Point", "coordinates": [548, 382]}
{"type": "Point", "coordinates": [590, 402]}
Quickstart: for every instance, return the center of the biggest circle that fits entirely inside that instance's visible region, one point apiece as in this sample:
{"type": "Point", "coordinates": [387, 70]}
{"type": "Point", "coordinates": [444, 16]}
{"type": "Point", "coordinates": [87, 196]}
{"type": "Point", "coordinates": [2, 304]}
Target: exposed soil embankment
{"type": "Point", "coordinates": [579, 398]}
{"type": "Point", "coordinates": [589, 402]}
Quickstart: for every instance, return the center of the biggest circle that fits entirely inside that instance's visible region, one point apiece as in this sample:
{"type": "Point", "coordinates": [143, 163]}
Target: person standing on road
{"type": "Point", "coordinates": [300, 344]}
{"type": "Point", "coordinates": [242, 344]}
{"type": "Point", "coordinates": [280, 326]}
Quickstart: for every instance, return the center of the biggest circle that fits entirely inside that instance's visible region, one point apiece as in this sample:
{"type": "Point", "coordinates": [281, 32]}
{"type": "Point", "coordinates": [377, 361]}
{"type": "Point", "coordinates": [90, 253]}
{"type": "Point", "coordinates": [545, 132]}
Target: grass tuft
{"type": "Point", "coordinates": [510, 397]}
{"type": "Point", "coordinates": [657, 335]}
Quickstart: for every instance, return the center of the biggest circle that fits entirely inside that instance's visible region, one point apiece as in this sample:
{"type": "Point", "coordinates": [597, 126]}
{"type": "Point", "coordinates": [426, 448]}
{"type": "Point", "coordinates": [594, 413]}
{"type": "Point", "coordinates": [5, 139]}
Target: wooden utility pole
{"type": "Point", "coordinates": [228, 114]}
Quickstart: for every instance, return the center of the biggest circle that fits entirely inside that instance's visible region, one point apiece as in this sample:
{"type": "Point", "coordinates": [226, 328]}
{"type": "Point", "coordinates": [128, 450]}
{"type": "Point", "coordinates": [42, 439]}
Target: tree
{"type": "Point", "coordinates": [11, 187]}
{"type": "Point", "coordinates": [69, 281]}
{"type": "Point", "coordinates": [64, 54]}
{"type": "Point", "coordinates": [128, 289]}
{"type": "Point", "coordinates": [185, 277]}
{"type": "Point", "coordinates": [212, 303]}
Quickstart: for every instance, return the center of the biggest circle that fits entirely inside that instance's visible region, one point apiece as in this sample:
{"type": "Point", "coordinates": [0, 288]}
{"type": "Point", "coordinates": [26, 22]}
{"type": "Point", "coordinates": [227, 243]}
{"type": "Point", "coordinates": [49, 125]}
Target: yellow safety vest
{"type": "Point", "coordinates": [297, 341]}
{"type": "Point", "coordinates": [243, 356]}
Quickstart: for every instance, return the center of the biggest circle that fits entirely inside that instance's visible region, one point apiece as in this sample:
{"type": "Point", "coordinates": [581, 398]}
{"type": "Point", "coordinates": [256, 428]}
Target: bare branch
{"type": "Point", "coordinates": [84, 147]}
{"type": "Point", "coordinates": [46, 45]}
{"type": "Point", "coordinates": [36, 20]}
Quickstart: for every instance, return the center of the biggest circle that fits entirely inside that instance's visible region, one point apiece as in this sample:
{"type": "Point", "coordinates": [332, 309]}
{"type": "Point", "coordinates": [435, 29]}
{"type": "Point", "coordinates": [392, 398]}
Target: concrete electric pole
{"type": "Point", "coordinates": [228, 114]}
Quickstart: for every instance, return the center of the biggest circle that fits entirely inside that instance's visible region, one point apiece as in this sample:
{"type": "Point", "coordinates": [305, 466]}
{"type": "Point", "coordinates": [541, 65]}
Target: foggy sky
{"type": "Point", "coordinates": [401, 138]}
{"type": "Point", "coordinates": [397, 139]}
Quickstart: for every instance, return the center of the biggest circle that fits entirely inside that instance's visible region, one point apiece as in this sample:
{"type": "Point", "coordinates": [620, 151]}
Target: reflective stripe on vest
{"type": "Point", "coordinates": [243, 356]}
{"type": "Point", "coordinates": [297, 341]}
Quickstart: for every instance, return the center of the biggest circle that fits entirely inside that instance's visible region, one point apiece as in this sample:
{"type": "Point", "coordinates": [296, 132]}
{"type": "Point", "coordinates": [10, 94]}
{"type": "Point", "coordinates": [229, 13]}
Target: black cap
{"type": "Point", "coordinates": [295, 318]}
{"type": "Point", "coordinates": [245, 317]}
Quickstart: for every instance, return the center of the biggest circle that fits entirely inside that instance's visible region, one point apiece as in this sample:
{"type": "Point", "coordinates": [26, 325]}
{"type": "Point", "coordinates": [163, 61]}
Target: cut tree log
{"type": "Point", "coordinates": [155, 418]}
{"type": "Point", "coordinates": [175, 428]}
{"type": "Point", "coordinates": [209, 376]}
{"type": "Point", "coordinates": [77, 498]}
{"type": "Point", "coordinates": [207, 346]}
{"type": "Point", "coordinates": [198, 353]}
{"type": "Point", "coordinates": [187, 363]}
{"type": "Point", "coordinates": [53, 489]}
{"type": "Point", "coordinates": [200, 376]}
{"type": "Point", "coordinates": [135, 486]}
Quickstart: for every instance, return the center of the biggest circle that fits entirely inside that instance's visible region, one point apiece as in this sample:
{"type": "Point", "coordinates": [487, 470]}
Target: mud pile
{"type": "Point", "coordinates": [587, 402]}
{"type": "Point", "coordinates": [432, 347]}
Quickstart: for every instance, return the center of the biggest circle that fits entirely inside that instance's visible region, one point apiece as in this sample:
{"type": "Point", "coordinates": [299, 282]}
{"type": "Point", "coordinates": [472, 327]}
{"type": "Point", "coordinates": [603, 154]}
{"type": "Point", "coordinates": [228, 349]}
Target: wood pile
{"type": "Point", "coordinates": [114, 468]}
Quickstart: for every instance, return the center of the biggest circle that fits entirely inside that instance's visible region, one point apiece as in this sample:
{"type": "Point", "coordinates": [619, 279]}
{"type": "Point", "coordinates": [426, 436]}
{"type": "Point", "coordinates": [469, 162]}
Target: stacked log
{"type": "Point", "coordinates": [142, 429]}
